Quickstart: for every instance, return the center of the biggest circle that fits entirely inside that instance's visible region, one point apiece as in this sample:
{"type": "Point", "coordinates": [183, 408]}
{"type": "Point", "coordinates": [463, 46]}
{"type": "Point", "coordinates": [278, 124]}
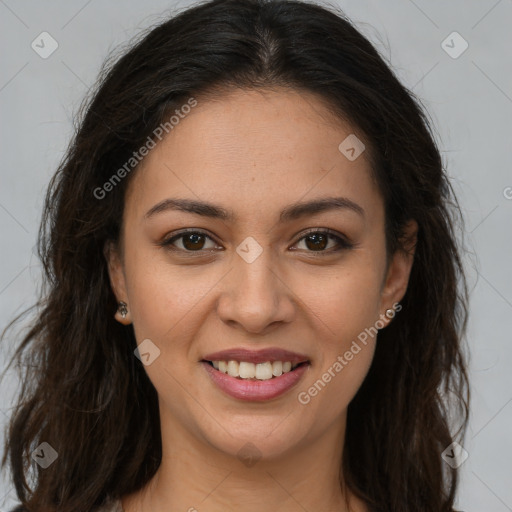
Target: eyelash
{"type": "Point", "coordinates": [342, 242]}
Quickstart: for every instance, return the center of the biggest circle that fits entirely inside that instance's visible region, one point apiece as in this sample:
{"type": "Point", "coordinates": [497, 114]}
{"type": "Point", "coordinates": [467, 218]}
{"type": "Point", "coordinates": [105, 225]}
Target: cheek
{"type": "Point", "coordinates": [346, 338]}
{"type": "Point", "coordinates": [346, 309]}
{"type": "Point", "coordinates": [164, 299]}
{"type": "Point", "coordinates": [345, 300]}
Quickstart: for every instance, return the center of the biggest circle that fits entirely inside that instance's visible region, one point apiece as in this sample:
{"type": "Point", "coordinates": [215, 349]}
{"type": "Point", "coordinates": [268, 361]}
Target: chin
{"type": "Point", "coordinates": [254, 439]}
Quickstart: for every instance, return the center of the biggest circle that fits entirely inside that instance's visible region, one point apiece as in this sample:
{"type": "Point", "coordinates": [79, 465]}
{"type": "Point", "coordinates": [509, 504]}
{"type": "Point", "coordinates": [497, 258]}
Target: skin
{"type": "Point", "coordinates": [254, 153]}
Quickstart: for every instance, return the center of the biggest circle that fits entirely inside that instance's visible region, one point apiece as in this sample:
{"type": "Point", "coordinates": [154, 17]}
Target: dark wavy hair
{"type": "Point", "coordinates": [82, 389]}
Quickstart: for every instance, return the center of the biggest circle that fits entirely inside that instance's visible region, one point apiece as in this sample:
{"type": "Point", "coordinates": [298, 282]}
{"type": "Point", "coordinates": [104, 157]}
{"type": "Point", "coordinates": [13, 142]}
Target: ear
{"type": "Point", "coordinates": [399, 270]}
{"type": "Point", "coordinates": [117, 279]}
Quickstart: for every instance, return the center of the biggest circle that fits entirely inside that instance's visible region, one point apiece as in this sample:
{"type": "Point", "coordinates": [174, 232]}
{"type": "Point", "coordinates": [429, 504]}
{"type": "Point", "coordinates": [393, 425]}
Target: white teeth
{"type": "Point", "coordinates": [247, 370]}
{"type": "Point", "coordinates": [277, 368]}
{"type": "Point", "coordinates": [233, 369]}
{"type": "Point", "coordinates": [260, 371]}
{"type": "Point", "coordinates": [264, 371]}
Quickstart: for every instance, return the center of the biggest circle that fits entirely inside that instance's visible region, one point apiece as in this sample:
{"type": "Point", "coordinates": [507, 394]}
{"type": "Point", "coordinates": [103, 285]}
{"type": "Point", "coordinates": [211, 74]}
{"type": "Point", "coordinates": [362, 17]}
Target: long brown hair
{"type": "Point", "coordinates": [85, 393]}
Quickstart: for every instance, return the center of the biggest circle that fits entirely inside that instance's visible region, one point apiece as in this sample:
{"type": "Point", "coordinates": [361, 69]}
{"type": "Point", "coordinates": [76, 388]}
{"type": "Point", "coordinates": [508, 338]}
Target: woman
{"type": "Point", "coordinates": [255, 297]}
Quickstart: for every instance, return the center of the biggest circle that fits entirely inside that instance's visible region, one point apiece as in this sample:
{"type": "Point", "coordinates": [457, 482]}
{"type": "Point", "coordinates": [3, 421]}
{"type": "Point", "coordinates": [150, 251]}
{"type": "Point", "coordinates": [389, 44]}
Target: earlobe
{"type": "Point", "coordinates": [399, 270]}
{"type": "Point", "coordinates": [117, 282]}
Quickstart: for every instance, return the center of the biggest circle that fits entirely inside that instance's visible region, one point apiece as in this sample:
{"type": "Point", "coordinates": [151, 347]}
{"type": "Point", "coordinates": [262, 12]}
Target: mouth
{"type": "Point", "coordinates": [255, 376]}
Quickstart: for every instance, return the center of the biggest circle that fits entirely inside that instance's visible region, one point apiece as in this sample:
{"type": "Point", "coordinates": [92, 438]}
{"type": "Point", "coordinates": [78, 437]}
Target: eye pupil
{"type": "Point", "coordinates": [317, 244]}
{"type": "Point", "coordinates": [195, 238]}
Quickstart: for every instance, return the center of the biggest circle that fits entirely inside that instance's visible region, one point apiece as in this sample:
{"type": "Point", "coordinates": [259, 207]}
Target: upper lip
{"type": "Point", "coordinates": [257, 356]}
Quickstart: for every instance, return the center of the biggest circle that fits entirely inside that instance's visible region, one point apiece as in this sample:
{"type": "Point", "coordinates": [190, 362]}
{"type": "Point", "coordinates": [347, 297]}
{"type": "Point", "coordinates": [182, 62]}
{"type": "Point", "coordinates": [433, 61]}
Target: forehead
{"type": "Point", "coordinates": [254, 150]}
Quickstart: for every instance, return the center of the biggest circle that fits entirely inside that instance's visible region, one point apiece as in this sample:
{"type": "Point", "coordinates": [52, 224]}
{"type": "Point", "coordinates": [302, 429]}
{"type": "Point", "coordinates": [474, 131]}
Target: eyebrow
{"type": "Point", "coordinates": [291, 212]}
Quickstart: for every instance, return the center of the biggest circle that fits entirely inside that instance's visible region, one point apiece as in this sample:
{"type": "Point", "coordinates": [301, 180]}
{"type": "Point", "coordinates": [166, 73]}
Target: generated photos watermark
{"type": "Point", "coordinates": [137, 156]}
{"type": "Point", "coordinates": [304, 397]}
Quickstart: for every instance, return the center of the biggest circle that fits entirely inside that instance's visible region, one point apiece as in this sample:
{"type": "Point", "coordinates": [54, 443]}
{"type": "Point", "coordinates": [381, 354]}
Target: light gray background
{"type": "Point", "coordinates": [469, 100]}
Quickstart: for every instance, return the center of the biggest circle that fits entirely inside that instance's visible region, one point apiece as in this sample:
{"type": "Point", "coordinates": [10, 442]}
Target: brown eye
{"type": "Point", "coordinates": [189, 241]}
{"type": "Point", "coordinates": [318, 241]}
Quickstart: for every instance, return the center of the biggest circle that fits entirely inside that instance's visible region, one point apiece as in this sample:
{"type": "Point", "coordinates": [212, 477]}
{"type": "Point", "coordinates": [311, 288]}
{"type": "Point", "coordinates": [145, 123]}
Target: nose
{"type": "Point", "coordinates": [255, 297]}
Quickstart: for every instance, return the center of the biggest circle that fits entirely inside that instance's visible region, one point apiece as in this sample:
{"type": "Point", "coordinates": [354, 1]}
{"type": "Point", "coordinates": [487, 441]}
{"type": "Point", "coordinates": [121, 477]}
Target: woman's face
{"type": "Point", "coordinates": [254, 279]}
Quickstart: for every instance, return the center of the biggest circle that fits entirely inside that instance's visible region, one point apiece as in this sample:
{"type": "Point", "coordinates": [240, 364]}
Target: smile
{"type": "Point", "coordinates": [255, 382]}
{"type": "Point", "coordinates": [259, 371]}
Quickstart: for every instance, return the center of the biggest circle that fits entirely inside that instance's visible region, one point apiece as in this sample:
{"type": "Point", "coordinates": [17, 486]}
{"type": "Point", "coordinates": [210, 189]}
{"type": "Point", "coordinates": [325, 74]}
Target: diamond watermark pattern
{"type": "Point", "coordinates": [44, 45]}
{"type": "Point", "coordinates": [351, 147]}
{"type": "Point", "coordinates": [249, 454]}
{"type": "Point", "coordinates": [249, 249]}
{"type": "Point", "coordinates": [44, 455]}
{"type": "Point", "coordinates": [455, 455]}
{"type": "Point", "coordinates": [147, 352]}
{"type": "Point", "coordinates": [454, 45]}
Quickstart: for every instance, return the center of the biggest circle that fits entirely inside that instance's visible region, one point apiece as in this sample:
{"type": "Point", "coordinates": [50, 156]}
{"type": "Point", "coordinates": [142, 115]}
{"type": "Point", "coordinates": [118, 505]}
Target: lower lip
{"type": "Point", "coordinates": [255, 390]}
